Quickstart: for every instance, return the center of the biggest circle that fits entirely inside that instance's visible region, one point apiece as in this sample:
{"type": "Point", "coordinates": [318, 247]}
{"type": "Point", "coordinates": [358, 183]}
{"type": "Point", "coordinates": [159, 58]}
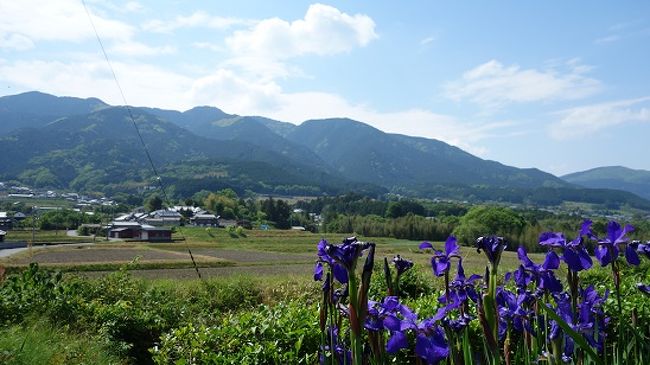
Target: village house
{"type": "Point", "coordinates": [6, 222]}
{"type": "Point", "coordinates": [205, 220]}
{"type": "Point", "coordinates": [139, 232]}
{"type": "Point", "coordinates": [163, 217]}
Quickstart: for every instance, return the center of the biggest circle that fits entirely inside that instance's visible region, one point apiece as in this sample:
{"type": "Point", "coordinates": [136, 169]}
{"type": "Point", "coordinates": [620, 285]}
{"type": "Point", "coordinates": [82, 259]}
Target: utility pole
{"type": "Point", "coordinates": [31, 243]}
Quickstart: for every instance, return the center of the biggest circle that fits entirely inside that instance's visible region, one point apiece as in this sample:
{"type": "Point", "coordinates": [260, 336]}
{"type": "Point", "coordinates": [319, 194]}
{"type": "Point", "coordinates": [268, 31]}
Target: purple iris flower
{"type": "Point", "coordinates": [440, 262]}
{"type": "Point", "coordinates": [430, 342]}
{"type": "Point", "coordinates": [462, 288]}
{"type": "Point", "coordinates": [458, 324]}
{"type": "Point", "coordinates": [609, 247]}
{"type": "Point", "coordinates": [542, 274]}
{"type": "Point", "coordinates": [590, 322]}
{"type": "Point", "coordinates": [493, 247]}
{"type": "Point", "coordinates": [574, 253]}
{"type": "Point", "coordinates": [643, 288]}
{"type": "Point", "coordinates": [401, 264]}
{"type": "Point", "coordinates": [644, 248]}
{"type": "Point", "coordinates": [340, 353]}
{"type": "Point", "coordinates": [341, 258]}
{"type": "Point", "coordinates": [512, 309]}
{"type": "Point", "coordinates": [387, 314]}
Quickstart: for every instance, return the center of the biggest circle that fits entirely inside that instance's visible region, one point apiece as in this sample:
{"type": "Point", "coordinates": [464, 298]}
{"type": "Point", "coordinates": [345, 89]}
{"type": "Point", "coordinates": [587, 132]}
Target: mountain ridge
{"type": "Point", "coordinates": [636, 181]}
{"type": "Point", "coordinates": [88, 144]}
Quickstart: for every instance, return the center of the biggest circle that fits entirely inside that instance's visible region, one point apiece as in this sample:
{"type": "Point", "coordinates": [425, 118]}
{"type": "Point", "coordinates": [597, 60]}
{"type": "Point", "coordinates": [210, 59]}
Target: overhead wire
{"type": "Point", "coordinates": [138, 132]}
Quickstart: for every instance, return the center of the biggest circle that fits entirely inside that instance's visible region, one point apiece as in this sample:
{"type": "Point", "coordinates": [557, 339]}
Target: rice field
{"type": "Point", "coordinates": [220, 254]}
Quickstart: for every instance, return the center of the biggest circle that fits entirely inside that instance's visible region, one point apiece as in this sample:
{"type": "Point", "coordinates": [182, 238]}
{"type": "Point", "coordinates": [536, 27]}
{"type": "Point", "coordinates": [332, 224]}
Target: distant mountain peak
{"type": "Point", "coordinates": [636, 181]}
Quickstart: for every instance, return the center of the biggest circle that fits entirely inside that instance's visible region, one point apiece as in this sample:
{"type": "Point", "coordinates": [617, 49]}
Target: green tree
{"type": "Point", "coordinates": [486, 220]}
{"type": "Point", "coordinates": [154, 202]}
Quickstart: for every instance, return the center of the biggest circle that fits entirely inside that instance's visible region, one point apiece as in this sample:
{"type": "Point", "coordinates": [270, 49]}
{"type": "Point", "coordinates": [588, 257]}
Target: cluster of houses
{"type": "Point", "coordinates": [153, 226]}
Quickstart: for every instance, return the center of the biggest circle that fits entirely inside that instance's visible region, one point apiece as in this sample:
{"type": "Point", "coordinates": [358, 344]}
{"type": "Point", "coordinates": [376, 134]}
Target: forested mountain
{"type": "Point", "coordinates": [613, 177]}
{"type": "Point", "coordinates": [101, 150]}
{"type": "Point", "coordinates": [86, 144]}
{"type": "Point", "coordinates": [36, 109]}
{"type": "Point", "coordinates": [396, 160]}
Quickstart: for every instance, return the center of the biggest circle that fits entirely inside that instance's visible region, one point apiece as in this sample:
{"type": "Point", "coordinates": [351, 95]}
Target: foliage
{"type": "Point", "coordinates": [154, 202]}
{"type": "Point", "coordinates": [277, 211]}
{"type": "Point", "coordinates": [65, 219]}
{"type": "Point", "coordinates": [283, 334]}
{"type": "Point", "coordinates": [481, 220]}
{"type": "Point", "coordinates": [411, 227]}
{"type": "Point", "coordinates": [38, 342]}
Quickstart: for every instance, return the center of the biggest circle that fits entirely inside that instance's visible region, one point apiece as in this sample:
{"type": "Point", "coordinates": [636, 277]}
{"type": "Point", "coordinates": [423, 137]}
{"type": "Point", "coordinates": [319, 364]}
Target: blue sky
{"type": "Point", "coordinates": [561, 86]}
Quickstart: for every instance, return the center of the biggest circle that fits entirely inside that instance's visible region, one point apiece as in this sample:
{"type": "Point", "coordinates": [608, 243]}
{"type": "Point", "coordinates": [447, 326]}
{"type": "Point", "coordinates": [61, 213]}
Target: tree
{"type": "Point", "coordinates": [223, 204]}
{"type": "Point", "coordinates": [277, 211]}
{"type": "Point", "coordinates": [154, 203]}
{"type": "Point", "coordinates": [487, 220]}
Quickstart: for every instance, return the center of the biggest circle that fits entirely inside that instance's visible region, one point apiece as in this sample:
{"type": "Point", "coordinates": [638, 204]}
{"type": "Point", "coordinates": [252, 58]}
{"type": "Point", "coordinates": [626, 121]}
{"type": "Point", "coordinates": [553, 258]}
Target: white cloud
{"type": "Point", "coordinates": [133, 48]}
{"type": "Point", "coordinates": [297, 107]}
{"type": "Point", "coordinates": [143, 84]}
{"type": "Point", "coordinates": [607, 39]}
{"type": "Point", "coordinates": [196, 19]}
{"type": "Point", "coordinates": [493, 85]}
{"type": "Point", "coordinates": [235, 93]}
{"type": "Point", "coordinates": [325, 30]}
{"type": "Point", "coordinates": [585, 120]}
{"type": "Point", "coordinates": [209, 46]}
{"type": "Point", "coordinates": [16, 41]}
{"type": "Point", "coordinates": [427, 40]}
{"type": "Point", "coordinates": [63, 20]}
{"type": "Point", "coordinates": [133, 7]}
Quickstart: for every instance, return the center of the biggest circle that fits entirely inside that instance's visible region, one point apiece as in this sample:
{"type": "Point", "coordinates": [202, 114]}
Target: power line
{"type": "Point", "coordinates": [137, 129]}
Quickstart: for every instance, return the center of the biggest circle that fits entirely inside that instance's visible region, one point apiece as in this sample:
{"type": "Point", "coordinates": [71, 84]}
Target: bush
{"type": "Point", "coordinates": [283, 334]}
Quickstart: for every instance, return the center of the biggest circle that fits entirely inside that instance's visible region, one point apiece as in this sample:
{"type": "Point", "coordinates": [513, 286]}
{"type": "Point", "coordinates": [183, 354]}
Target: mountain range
{"type": "Point", "coordinates": [613, 177]}
{"type": "Point", "coordinates": [88, 145]}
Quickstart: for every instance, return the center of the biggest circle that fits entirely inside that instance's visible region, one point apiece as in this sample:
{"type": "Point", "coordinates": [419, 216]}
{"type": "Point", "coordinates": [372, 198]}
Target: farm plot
{"type": "Point", "coordinates": [91, 255]}
{"type": "Point", "coordinates": [260, 271]}
{"type": "Point", "coordinates": [249, 256]}
{"type": "Point", "coordinates": [93, 258]}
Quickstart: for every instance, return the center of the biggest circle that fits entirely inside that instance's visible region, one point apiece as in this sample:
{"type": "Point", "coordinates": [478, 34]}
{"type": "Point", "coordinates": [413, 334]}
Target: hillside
{"type": "Point", "coordinates": [85, 144]}
{"type": "Point", "coordinates": [613, 177]}
{"type": "Point", "coordinates": [35, 109]}
{"type": "Point", "coordinates": [370, 155]}
{"type": "Point", "coordinates": [100, 151]}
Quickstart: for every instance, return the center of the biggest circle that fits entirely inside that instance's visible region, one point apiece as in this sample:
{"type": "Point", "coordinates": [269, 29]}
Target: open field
{"type": "Point", "coordinates": [47, 237]}
{"type": "Point", "coordinates": [258, 253]}
{"type": "Point", "coordinates": [40, 202]}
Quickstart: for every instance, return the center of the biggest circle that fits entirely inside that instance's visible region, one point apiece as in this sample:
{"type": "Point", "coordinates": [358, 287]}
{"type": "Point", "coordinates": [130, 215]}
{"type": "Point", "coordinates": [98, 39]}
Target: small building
{"type": "Point", "coordinates": [6, 222]}
{"type": "Point", "coordinates": [163, 217]}
{"type": "Point", "coordinates": [139, 232]}
{"type": "Point", "coordinates": [124, 230]}
{"type": "Point", "coordinates": [19, 216]}
{"type": "Point", "coordinates": [205, 220]}
{"type": "Point", "coordinates": [155, 234]}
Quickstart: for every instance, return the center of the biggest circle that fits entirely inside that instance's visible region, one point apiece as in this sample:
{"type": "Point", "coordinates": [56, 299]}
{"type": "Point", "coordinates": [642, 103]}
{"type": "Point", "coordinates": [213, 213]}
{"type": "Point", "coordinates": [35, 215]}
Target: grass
{"type": "Point", "coordinates": [261, 253]}
{"type": "Point", "coordinates": [292, 242]}
{"type": "Point", "coordinates": [38, 342]}
{"type": "Point", "coordinates": [50, 237]}
{"type": "Point", "coordinates": [41, 202]}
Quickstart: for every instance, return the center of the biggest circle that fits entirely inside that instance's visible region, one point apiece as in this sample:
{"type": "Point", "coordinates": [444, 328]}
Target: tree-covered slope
{"type": "Point", "coordinates": [613, 177]}
{"type": "Point", "coordinates": [370, 155]}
